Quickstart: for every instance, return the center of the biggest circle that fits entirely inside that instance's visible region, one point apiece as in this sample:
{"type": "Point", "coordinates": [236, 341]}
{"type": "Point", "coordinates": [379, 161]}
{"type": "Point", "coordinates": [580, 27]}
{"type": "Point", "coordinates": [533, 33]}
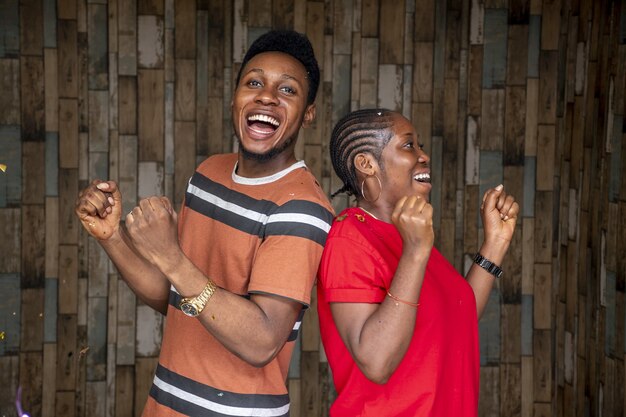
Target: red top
{"type": "Point", "coordinates": [439, 375]}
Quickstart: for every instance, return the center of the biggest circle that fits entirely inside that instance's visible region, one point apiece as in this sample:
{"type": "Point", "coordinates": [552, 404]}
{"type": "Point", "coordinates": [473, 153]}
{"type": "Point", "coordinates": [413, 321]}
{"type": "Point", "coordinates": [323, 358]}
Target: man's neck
{"type": "Point", "coordinates": [251, 168]}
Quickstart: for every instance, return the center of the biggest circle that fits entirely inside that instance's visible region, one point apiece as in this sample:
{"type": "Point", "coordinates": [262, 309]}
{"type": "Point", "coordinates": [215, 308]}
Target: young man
{"type": "Point", "coordinates": [234, 271]}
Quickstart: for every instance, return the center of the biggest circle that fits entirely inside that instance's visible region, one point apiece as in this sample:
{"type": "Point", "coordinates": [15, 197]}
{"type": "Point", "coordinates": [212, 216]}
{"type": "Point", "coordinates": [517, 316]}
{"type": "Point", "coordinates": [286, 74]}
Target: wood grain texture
{"type": "Point", "coordinates": [530, 93]}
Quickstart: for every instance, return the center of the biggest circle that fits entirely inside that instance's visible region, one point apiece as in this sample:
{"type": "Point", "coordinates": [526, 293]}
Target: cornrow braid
{"type": "Point", "coordinates": [361, 131]}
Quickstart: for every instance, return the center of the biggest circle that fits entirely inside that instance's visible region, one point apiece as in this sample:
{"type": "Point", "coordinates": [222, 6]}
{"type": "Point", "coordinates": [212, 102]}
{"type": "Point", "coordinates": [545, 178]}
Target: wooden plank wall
{"type": "Point", "coordinates": [530, 93]}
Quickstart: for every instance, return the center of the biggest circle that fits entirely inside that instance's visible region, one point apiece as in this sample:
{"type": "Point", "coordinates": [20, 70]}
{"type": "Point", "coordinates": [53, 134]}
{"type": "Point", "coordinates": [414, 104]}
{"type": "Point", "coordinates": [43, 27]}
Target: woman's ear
{"type": "Point", "coordinates": [365, 164]}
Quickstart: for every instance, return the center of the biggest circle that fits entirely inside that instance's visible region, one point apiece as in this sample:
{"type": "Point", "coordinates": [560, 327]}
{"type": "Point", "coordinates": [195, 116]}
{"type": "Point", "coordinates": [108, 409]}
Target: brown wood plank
{"type": "Point", "coordinates": [392, 38]}
{"type": "Point", "coordinates": [369, 17]}
{"type": "Point", "coordinates": [51, 93]}
{"type": "Point", "coordinates": [10, 86]}
{"type": "Point", "coordinates": [32, 27]}
{"type": "Point", "coordinates": [369, 73]}
{"type": "Point", "coordinates": [532, 104]}
{"type": "Point", "coordinates": [282, 14]}
{"type": "Point", "coordinates": [517, 62]}
{"type": "Point", "coordinates": [33, 246]}
{"type": "Point", "coordinates": [310, 384]}
{"type": "Point", "coordinates": [514, 125]}
{"type": "Point", "coordinates": [547, 99]}
{"type": "Point", "coordinates": [185, 157]}
{"type": "Point", "coordinates": [67, 354]}
{"type": "Point", "coordinates": [144, 373]}
{"type": "Point", "coordinates": [185, 90]}
{"type": "Point", "coordinates": [32, 320]}
{"type": "Point", "coordinates": [33, 120]}
{"type": "Point", "coordinates": [127, 39]}
{"type": "Point", "coordinates": [342, 26]}
{"type": "Point", "coordinates": [127, 96]}
{"type": "Point", "coordinates": [550, 24]}
{"type": "Point", "coordinates": [493, 117]}
{"type": "Point", "coordinates": [546, 143]}
{"type": "Point", "coordinates": [68, 279]}
{"type": "Point", "coordinates": [68, 192]}
{"type": "Point", "coordinates": [425, 21]}
{"type": "Point", "coordinates": [67, 57]}
{"type": "Point", "coordinates": [260, 13]}
{"type": "Point", "coordinates": [30, 379]}
{"type": "Point", "coordinates": [489, 399]}
{"type": "Point", "coordinates": [510, 382]}
{"type": "Point", "coordinates": [66, 403]}
{"type": "Point", "coordinates": [124, 390]}
{"type": "Point", "coordinates": [67, 9]}
{"type": "Point", "coordinates": [68, 133]}
{"type": "Point", "coordinates": [542, 369]}
{"type": "Point", "coordinates": [49, 380]}
{"type": "Point", "coordinates": [423, 72]}
{"type": "Point", "coordinates": [153, 7]}
{"type": "Point", "coordinates": [542, 297]}
{"type": "Point", "coordinates": [150, 114]}
{"type": "Point", "coordinates": [185, 47]}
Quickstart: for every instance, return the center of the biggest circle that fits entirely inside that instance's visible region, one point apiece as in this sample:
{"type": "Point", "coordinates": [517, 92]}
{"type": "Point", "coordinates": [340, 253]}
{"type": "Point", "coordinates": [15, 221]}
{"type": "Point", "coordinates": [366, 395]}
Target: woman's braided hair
{"type": "Point", "coordinates": [361, 131]}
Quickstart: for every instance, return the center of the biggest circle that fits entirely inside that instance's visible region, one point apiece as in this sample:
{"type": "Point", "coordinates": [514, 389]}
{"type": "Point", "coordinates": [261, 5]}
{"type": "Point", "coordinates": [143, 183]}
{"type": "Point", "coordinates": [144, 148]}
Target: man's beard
{"type": "Point", "coordinates": [264, 157]}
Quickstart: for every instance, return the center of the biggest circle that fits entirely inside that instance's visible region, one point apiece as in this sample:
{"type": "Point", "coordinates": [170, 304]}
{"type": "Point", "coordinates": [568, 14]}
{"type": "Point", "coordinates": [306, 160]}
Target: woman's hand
{"type": "Point", "coordinates": [413, 217]}
{"type": "Point", "coordinates": [99, 209]}
{"type": "Point", "coordinates": [499, 212]}
{"type": "Point", "coordinates": [152, 229]}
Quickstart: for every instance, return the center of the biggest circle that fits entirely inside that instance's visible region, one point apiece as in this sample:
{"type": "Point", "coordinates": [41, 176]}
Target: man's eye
{"type": "Point", "coordinates": [408, 145]}
{"type": "Point", "coordinates": [288, 90]}
{"type": "Point", "coordinates": [254, 83]}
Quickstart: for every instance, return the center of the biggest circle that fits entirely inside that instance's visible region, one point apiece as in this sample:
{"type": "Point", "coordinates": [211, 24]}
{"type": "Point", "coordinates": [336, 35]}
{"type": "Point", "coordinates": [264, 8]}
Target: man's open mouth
{"type": "Point", "coordinates": [262, 124]}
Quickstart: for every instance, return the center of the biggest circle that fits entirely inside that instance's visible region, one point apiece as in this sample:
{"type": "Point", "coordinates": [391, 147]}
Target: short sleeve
{"type": "Point", "coordinates": [350, 272]}
{"type": "Point", "coordinates": [286, 266]}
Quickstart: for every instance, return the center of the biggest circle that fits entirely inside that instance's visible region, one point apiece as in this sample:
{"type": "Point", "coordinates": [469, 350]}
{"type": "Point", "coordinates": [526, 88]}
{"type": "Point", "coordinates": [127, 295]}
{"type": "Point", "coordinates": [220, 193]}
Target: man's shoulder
{"type": "Point", "coordinates": [302, 185]}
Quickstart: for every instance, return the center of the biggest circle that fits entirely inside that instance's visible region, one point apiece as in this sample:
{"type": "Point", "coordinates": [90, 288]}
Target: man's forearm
{"type": "Point", "coordinates": [254, 329]}
{"type": "Point", "coordinates": [144, 279]}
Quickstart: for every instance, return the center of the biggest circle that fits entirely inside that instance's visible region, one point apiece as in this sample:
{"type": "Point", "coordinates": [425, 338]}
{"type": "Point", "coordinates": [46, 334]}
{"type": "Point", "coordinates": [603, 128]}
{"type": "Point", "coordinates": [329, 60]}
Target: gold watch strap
{"type": "Point", "coordinates": [204, 296]}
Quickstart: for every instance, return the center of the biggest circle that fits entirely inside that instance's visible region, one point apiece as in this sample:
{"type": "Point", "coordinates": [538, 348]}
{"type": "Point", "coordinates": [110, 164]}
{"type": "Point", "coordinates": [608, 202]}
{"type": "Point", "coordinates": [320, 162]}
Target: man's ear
{"type": "Point", "coordinates": [309, 115]}
{"type": "Point", "coordinates": [365, 164]}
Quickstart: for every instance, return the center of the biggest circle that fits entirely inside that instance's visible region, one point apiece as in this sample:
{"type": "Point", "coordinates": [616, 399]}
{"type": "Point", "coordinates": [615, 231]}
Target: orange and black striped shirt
{"type": "Point", "coordinates": [249, 235]}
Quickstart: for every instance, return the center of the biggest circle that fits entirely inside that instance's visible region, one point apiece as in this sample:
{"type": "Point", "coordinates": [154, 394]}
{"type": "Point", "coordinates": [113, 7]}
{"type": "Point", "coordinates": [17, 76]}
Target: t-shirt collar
{"type": "Point", "coordinates": [265, 180]}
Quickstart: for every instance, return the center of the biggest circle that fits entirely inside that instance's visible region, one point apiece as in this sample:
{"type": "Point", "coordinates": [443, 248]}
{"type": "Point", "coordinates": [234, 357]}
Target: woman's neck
{"type": "Point", "coordinates": [377, 211]}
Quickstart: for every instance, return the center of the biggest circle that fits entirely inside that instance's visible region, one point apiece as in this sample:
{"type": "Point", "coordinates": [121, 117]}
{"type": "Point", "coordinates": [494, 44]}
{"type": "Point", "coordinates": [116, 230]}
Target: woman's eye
{"type": "Point", "coordinates": [288, 90]}
{"type": "Point", "coordinates": [408, 145]}
{"type": "Point", "coordinates": [254, 83]}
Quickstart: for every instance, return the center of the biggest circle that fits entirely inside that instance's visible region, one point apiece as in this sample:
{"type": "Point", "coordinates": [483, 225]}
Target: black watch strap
{"type": "Point", "coordinates": [488, 266]}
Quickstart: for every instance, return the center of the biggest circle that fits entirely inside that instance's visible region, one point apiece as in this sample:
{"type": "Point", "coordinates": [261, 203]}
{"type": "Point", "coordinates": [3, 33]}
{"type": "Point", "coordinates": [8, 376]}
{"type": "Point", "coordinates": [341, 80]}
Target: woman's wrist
{"type": "Point", "coordinates": [494, 251]}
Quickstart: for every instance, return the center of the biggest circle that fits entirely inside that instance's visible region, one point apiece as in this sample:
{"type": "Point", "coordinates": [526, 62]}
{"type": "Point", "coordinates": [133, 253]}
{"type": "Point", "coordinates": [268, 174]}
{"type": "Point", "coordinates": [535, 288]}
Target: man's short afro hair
{"type": "Point", "coordinates": [291, 43]}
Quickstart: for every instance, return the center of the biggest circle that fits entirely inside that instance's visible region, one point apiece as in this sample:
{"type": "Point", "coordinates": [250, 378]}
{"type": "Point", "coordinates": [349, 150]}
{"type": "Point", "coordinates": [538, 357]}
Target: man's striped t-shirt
{"type": "Point", "coordinates": [249, 235]}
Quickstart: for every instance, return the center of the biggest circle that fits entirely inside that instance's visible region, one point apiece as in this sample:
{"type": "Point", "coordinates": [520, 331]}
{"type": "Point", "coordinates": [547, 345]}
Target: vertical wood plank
{"type": "Point", "coordinates": [150, 114]}
{"type": "Point", "coordinates": [33, 120]}
{"type": "Point", "coordinates": [392, 38]}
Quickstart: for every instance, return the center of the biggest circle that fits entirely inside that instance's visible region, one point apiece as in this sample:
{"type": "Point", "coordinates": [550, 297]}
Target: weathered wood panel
{"type": "Point", "coordinates": [526, 92]}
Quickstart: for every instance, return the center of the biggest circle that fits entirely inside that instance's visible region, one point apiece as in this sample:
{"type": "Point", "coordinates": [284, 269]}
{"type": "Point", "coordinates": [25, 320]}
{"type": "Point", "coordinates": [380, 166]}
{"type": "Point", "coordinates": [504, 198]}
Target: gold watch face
{"type": "Point", "coordinates": [189, 309]}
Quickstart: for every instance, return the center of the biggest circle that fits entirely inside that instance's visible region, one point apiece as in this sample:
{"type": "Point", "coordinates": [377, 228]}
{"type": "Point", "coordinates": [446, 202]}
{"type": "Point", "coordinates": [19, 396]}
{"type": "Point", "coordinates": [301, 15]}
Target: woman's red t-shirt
{"type": "Point", "coordinates": [439, 375]}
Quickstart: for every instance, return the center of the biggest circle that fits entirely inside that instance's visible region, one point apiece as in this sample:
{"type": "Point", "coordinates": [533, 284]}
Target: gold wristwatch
{"type": "Point", "coordinates": [194, 306]}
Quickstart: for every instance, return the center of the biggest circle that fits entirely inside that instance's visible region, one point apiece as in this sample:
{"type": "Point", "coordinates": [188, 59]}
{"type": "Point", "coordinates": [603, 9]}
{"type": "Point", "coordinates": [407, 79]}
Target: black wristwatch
{"type": "Point", "coordinates": [488, 266]}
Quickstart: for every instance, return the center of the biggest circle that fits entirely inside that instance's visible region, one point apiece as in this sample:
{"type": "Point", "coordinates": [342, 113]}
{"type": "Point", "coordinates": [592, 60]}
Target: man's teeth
{"type": "Point", "coordinates": [422, 177]}
{"type": "Point", "coordinates": [263, 118]}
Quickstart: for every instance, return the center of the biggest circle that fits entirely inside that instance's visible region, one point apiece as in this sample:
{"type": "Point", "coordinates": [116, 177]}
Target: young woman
{"type": "Point", "coordinates": [398, 323]}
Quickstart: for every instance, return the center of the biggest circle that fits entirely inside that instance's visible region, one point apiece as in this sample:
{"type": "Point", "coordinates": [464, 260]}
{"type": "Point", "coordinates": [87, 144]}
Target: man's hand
{"type": "Point", "coordinates": [152, 229]}
{"type": "Point", "coordinates": [99, 209]}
